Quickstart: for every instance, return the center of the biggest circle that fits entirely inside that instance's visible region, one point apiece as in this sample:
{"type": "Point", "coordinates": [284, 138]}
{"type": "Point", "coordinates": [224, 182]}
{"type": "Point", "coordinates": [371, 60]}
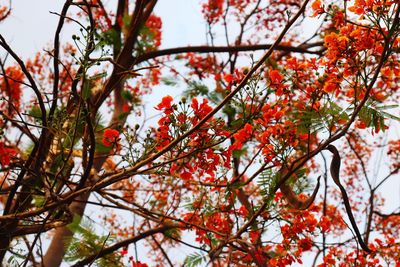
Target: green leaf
{"type": "Point", "coordinates": [101, 148]}
{"type": "Point", "coordinates": [195, 89]}
{"type": "Point", "coordinates": [36, 113]}
{"type": "Point", "coordinates": [109, 37]}
{"type": "Point", "coordinates": [98, 76]}
{"type": "Point", "coordinates": [390, 116]}
{"type": "Point", "coordinates": [169, 81]}
{"type": "Point", "coordinates": [267, 182]}
{"type": "Point", "coordinates": [173, 233]}
{"type": "Point", "coordinates": [74, 225]}
{"type": "Point", "coordinates": [12, 262]}
{"type": "Point", "coordinates": [386, 107]}
{"type": "Point", "coordinates": [374, 116]}
{"type": "Point", "coordinates": [194, 259]}
{"type": "Point", "coordinates": [38, 201]}
{"type": "Point", "coordinates": [238, 153]}
{"type": "Point", "coordinates": [334, 109]}
{"type": "Point", "coordinates": [87, 89]}
{"type": "Point", "coordinates": [86, 242]}
{"type": "Point", "coordinates": [229, 110]}
{"type": "Point", "coordinates": [127, 95]}
{"type": "Point", "coordinates": [123, 116]}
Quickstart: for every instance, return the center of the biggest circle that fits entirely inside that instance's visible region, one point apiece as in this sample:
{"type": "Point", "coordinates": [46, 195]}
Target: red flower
{"type": "Point", "coordinates": [242, 136]}
{"type": "Point", "coordinates": [317, 7]}
{"type": "Point", "coordinates": [154, 25]}
{"type": "Point", "coordinates": [228, 78]}
{"type": "Point", "coordinates": [6, 154]}
{"type": "Point", "coordinates": [166, 104]}
{"type": "Point", "coordinates": [110, 137]}
{"type": "Point", "coordinates": [12, 87]}
{"type": "Point", "coordinates": [124, 251]}
{"type": "Point", "coordinates": [360, 124]}
{"type": "Point", "coordinates": [330, 86]}
{"type": "Point", "coordinates": [186, 176]}
{"type": "Point", "coordinates": [275, 76]}
{"type": "Point", "coordinates": [139, 264]}
{"type": "Point", "coordinates": [305, 244]}
{"type": "Point", "coordinates": [126, 108]}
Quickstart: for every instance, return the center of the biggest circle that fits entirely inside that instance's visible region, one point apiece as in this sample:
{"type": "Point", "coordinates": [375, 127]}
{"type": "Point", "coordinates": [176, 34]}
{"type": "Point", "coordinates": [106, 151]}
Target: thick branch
{"type": "Point", "coordinates": [226, 49]}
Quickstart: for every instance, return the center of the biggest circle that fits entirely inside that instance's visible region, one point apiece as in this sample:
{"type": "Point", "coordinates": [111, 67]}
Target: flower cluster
{"type": "Point", "coordinates": [11, 89]}
{"type": "Point", "coordinates": [110, 137]}
{"type": "Point", "coordinates": [6, 154]}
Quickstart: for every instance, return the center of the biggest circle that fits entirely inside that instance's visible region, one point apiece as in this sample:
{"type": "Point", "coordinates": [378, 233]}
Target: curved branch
{"type": "Point", "coordinates": [335, 169]}
{"type": "Point", "coordinates": [226, 49]}
{"type": "Point", "coordinates": [294, 200]}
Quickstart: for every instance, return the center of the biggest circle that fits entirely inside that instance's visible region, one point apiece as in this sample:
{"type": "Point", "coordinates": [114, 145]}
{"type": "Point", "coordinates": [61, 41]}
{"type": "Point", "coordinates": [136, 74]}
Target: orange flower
{"type": "Point", "coordinates": [380, 96]}
{"type": "Point", "coordinates": [110, 137]}
{"type": "Point", "coordinates": [330, 87]}
{"type": "Point", "coordinates": [275, 76]}
{"type": "Point", "coordinates": [6, 154]}
{"type": "Point", "coordinates": [139, 264]}
{"type": "Point", "coordinates": [228, 78]}
{"type": "Point", "coordinates": [360, 125]}
{"type": "Point", "coordinates": [305, 243]}
{"type": "Point", "coordinates": [166, 104]}
{"type": "Point", "coordinates": [317, 7]}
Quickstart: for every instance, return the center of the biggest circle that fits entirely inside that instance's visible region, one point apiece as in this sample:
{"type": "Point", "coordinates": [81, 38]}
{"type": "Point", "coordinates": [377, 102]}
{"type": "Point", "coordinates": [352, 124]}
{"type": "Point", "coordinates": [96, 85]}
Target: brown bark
{"type": "Point", "coordinates": [62, 236]}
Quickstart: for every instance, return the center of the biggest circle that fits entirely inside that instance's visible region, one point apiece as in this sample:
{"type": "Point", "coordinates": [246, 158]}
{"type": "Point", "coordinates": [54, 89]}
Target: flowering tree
{"type": "Point", "coordinates": [226, 169]}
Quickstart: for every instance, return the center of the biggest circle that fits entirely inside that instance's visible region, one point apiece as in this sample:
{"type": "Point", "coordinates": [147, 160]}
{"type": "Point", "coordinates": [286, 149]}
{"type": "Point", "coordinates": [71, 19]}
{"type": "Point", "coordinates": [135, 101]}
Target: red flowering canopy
{"type": "Point", "coordinates": [225, 166]}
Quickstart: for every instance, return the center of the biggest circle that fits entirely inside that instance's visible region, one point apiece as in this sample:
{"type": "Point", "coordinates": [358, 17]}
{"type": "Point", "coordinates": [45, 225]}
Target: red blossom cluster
{"type": "Point", "coordinates": [138, 264]}
{"type": "Point", "coordinates": [154, 25]}
{"type": "Point", "coordinates": [219, 175]}
{"type": "Point", "coordinates": [11, 90]}
{"type": "Point", "coordinates": [212, 10]}
{"type": "Point", "coordinates": [6, 154]}
{"type": "Point", "coordinates": [204, 161]}
{"type": "Point", "coordinates": [394, 154]}
{"type": "Point", "coordinates": [203, 66]}
{"type": "Point", "coordinates": [110, 137]}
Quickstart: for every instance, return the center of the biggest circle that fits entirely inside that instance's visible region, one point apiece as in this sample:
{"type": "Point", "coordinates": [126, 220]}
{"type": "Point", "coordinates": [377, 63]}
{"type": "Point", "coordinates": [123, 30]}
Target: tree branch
{"type": "Point", "coordinates": [227, 49]}
{"type": "Point", "coordinates": [126, 242]}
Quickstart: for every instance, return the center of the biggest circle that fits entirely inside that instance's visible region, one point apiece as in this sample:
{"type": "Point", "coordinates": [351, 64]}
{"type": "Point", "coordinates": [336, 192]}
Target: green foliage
{"type": "Point", "coordinates": [90, 83]}
{"type": "Point", "coordinates": [145, 40]}
{"type": "Point", "coordinates": [194, 259]}
{"type": "Point", "coordinates": [101, 148]}
{"type": "Point", "coordinates": [301, 182]}
{"type": "Point", "coordinates": [195, 89]}
{"type": "Point", "coordinates": [231, 112]}
{"type": "Point", "coordinates": [169, 81]}
{"type": "Point", "coordinates": [35, 113]}
{"type": "Point", "coordinates": [173, 233]}
{"type": "Point", "coordinates": [268, 181]}
{"type": "Point", "coordinates": [374, 116]}
{"type": "Point", "coordinates": [239, 153]}
{"type": "Point", "coordinates": [38, 200]}
{"type": "Point", "coordinates": [85, 243]}
{"type": "Point", "coordinates": [128, 96]}
{"type": "Point", "coordinates": [12, 262]}
{"type": "Point", "coordinates": [309, 121]}
{"type": "Point", "coordinates": [335, 111]}
{"type": "Point", "coordinates": [109, 37]}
